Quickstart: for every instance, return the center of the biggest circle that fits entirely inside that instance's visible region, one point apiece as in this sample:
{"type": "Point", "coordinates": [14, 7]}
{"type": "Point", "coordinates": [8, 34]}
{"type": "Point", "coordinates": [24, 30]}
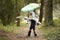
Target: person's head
{"type": "Point", "coordinates": [30, 13]}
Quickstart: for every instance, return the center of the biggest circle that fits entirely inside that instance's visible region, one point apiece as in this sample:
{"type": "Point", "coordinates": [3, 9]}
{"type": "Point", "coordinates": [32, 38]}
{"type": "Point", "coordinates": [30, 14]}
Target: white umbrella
{"type": "Point", "coordinates": [30, 7]}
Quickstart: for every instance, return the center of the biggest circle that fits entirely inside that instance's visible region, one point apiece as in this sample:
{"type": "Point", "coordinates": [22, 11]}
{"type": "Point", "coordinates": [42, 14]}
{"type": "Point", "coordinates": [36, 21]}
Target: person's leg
{"type": "Point", "coordinates": [30, 29]}
{"type": "Point", "coordinates": [34, 32]}
{"type": "Point", "coordinates": [34, 23]}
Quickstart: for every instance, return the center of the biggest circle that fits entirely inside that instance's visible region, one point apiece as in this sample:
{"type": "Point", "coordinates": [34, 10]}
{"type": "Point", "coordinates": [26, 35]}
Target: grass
{"type": "Point", "coordinates": [52, 33]}
{"type": "Point", "coordinates": [57, 22]}
{"type": "Point", "coordinates": [11, 28]}
{"type": "Point", "coordinates": [3, 38]}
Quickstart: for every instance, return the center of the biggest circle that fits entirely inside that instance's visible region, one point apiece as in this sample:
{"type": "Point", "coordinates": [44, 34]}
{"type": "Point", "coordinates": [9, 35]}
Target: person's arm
{"type": "Point", "coordinates": [27, 19]}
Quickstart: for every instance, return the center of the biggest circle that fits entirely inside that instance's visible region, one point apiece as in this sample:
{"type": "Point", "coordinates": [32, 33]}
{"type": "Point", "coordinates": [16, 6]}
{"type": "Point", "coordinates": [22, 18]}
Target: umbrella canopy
{"type": "Point", "coordinates": [30, 7]}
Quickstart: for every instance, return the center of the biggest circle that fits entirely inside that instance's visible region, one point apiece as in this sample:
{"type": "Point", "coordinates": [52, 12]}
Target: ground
{"type": "Point", "coordinates": [22, 34]}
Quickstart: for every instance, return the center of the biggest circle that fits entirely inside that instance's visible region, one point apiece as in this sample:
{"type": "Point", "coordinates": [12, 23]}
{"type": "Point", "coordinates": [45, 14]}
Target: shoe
{"type": "Point", "coordinates": [29, 33]}
{"type": "Point", "coordinates": [35, 34]}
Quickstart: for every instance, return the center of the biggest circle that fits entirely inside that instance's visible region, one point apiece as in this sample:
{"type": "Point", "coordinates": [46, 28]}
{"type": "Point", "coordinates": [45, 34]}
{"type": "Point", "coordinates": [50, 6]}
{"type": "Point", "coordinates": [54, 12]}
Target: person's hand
{"type": "Point", "coordinates": [38, 23]}
{"type": "Point", "coordinates": [25, 18]}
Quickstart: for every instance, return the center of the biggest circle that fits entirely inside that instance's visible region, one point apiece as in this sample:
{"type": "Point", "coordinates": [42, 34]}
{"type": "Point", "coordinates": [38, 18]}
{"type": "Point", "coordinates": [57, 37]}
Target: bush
{"type": "Point", "coordinates": [3, 38]}
{"type": "Point", "coordinates": [57, 22]}
{"type": "Point", "coordinates": [52, 33]}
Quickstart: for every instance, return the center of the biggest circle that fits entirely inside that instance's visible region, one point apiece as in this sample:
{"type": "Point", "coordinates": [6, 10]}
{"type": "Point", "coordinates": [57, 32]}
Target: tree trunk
{"type": "Point", "coordinates": [48, 13]}
{"type": "Point", "coordinates": [41, 11]}
{"type": "Point", "coordinates": [18, 14]}
{"type": "Point", "coordinates": [6, 9]}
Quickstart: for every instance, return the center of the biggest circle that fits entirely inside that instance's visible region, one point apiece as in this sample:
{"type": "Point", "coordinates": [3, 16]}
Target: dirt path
{"type": "Point", "coordinates": [22, 35]}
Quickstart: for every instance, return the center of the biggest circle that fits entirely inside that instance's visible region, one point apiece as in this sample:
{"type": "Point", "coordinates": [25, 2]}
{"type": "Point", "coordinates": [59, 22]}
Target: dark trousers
{"type": "Point", "coordinates": [32, 26]}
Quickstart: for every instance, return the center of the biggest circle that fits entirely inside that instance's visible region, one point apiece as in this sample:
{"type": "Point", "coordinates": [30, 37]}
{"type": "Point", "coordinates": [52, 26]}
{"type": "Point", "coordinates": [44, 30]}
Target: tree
{"type": "Point", "coordinates": [6, 11]}
{"type": "Point", "coordinates": [48, 13]}
{"type": "Point", "coordinates": [18, 14]}
{"type": "Point", "coordinates": [19, 4]}
{"type": "Point", "coordinates": [41, 11]}
{"type": "Point", "coordinates": [56, 10]}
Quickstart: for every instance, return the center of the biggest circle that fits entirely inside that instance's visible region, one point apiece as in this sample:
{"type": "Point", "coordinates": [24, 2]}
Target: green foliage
{"type": "Point", "coordinates": [8, 10]}
{"type": "Point", "coordinates": [3, 38]}
{"type": "Point", "coordinates": [12, 27]}
{"type": "Point", "coordinates": [52, 33]}
{"type": "Point", "coordinates": [20, 3]}
{"type": "Point", "coordinates": [57, 22]}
